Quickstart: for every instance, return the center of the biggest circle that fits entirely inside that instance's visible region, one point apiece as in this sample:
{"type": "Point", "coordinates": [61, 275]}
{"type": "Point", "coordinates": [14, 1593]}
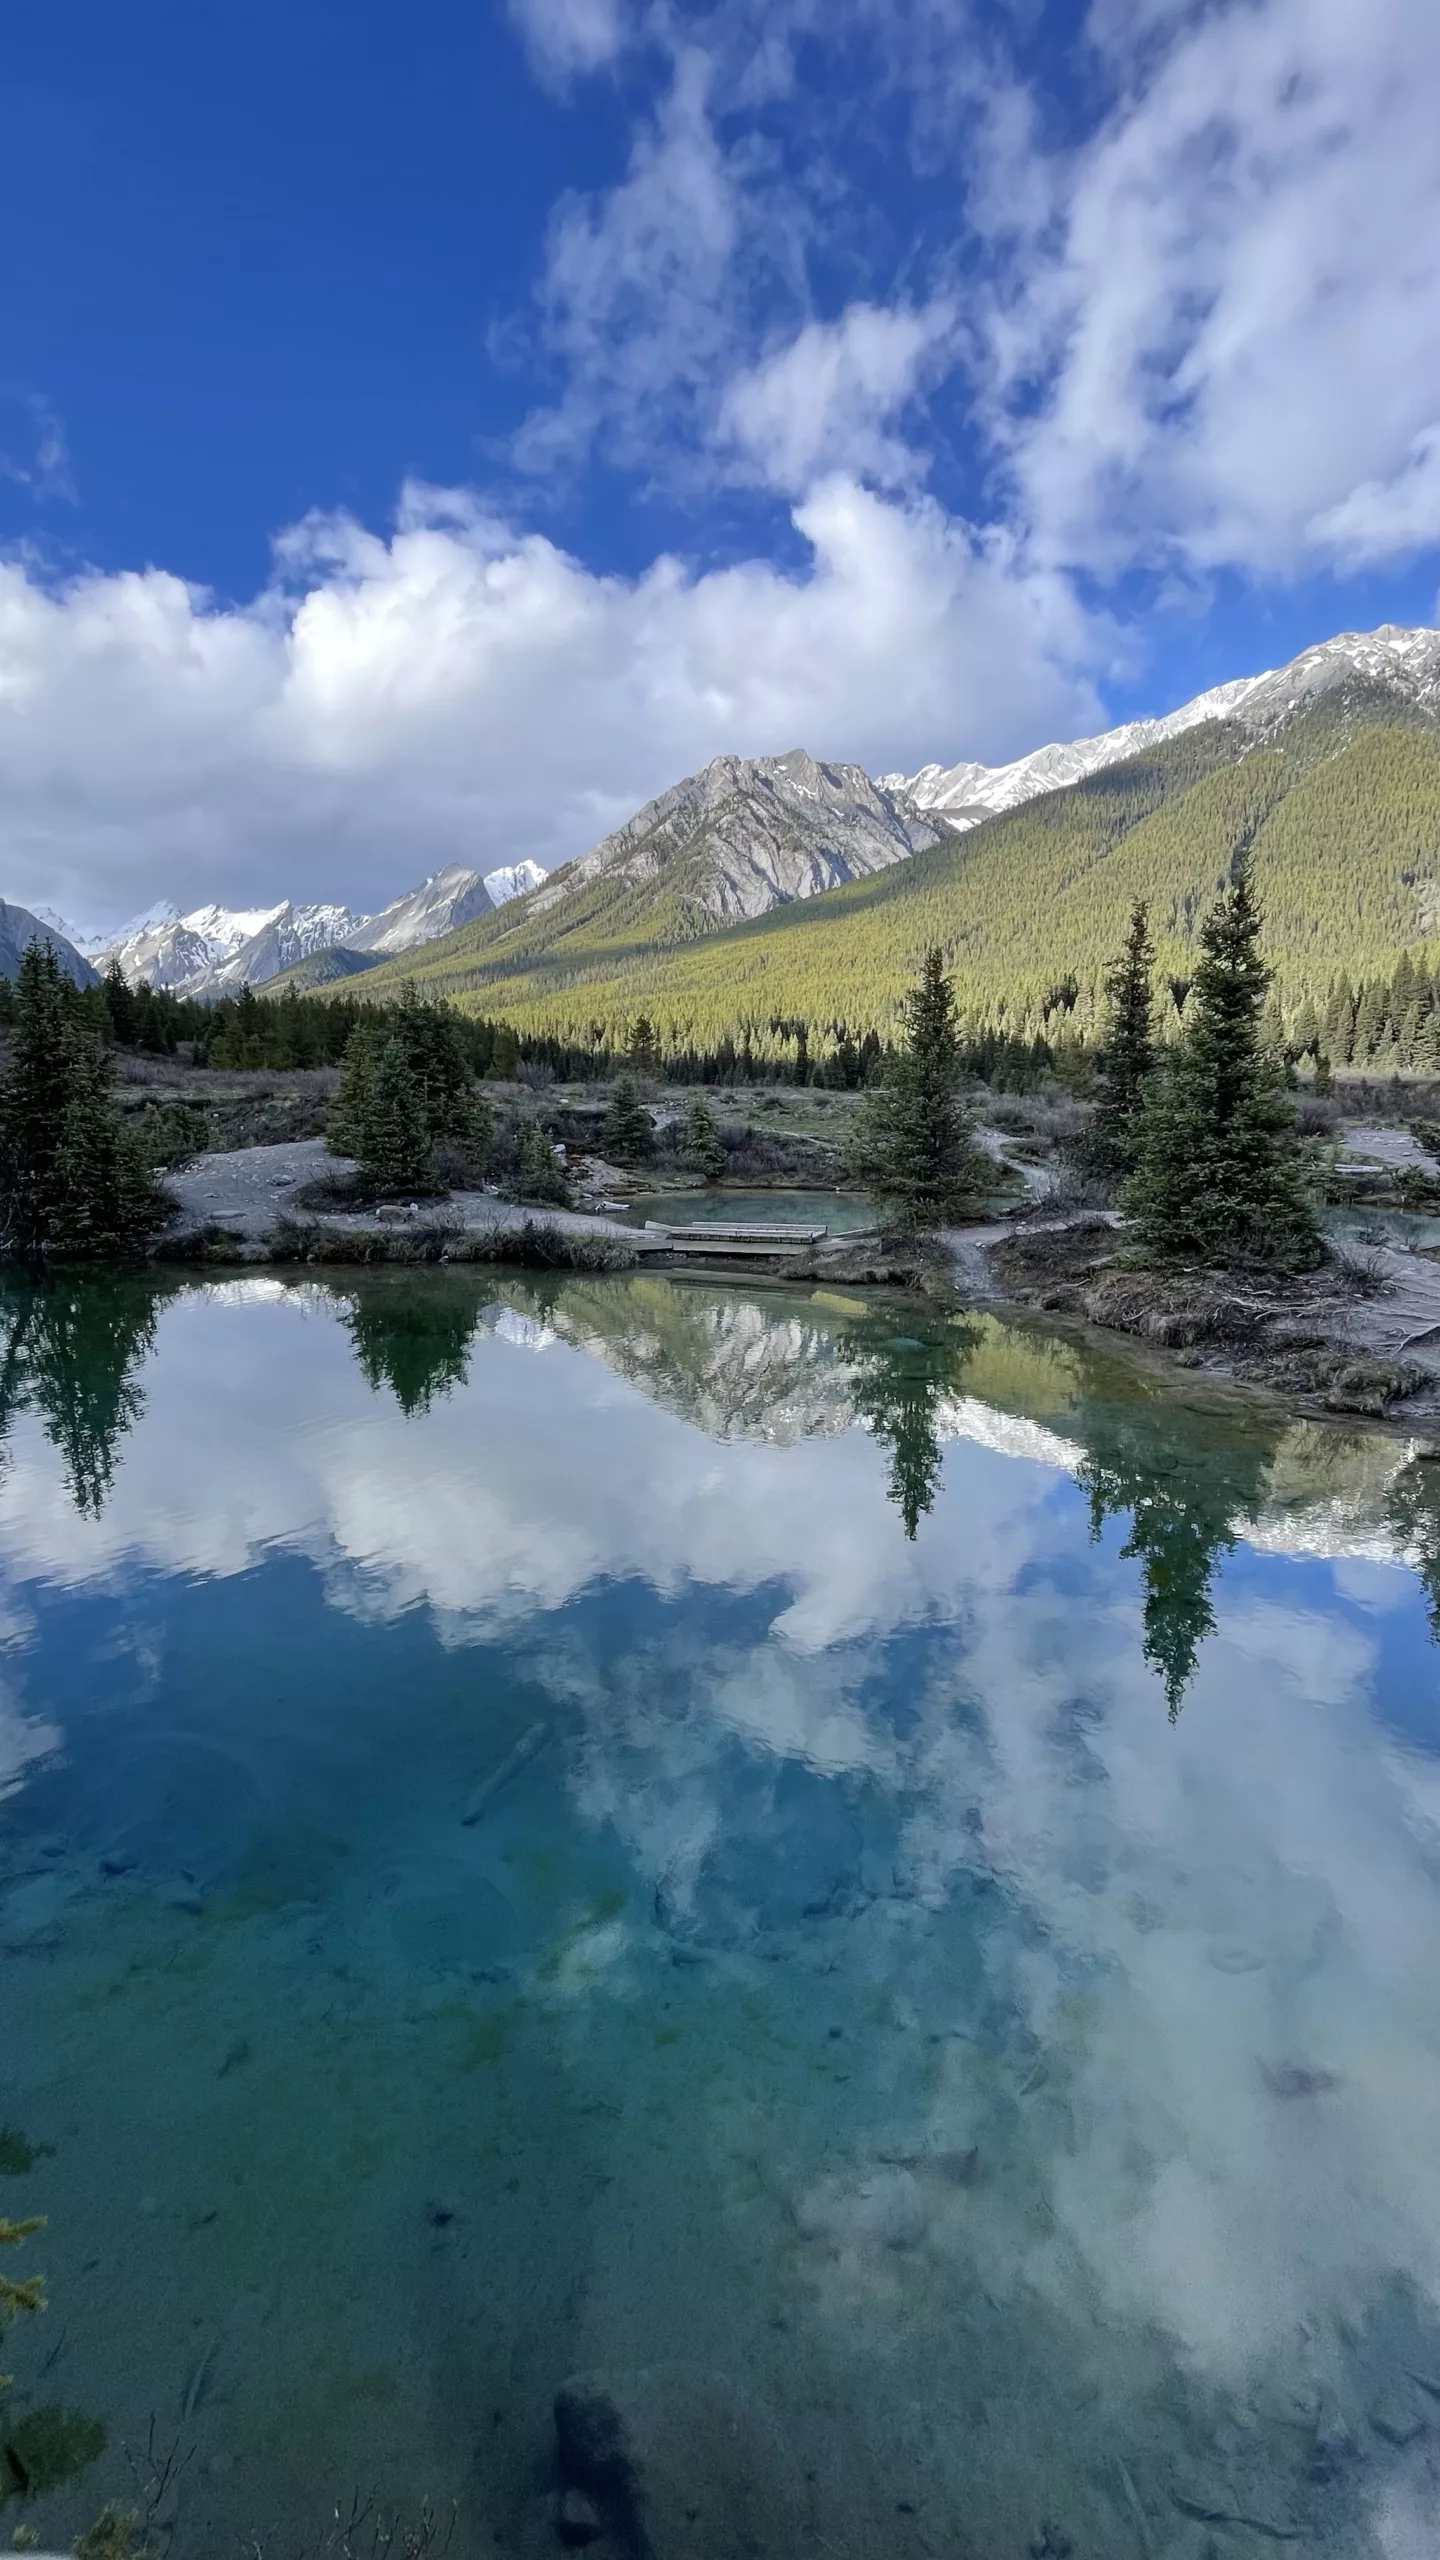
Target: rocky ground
{"type": "Point", "coordinates": [1362, 1339]}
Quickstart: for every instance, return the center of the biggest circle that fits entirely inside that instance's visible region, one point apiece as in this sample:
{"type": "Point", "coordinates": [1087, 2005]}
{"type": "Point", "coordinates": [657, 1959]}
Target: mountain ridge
{"type": "Point", "coordinates": [1329, 768]}
{"type": "Point", "coordinates": [967, 794]}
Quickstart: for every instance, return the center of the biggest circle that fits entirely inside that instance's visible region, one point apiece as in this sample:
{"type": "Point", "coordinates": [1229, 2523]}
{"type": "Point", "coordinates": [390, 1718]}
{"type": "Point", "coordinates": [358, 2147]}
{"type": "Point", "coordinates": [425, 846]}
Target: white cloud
{"type": "Point", "coordinates": [33, 451]}
{"type": "Point", "coordinates": [643, 289]}
{"type": "Point", "coordinates": [1383, 517]}
{"type": "Point", "coordinates": [565, 37]}
{"type": "Point", "coordinates": [825, 401]}
{"type": "Point", "coordinates": [464, 692]}
{"type": "Point", "coordinates": [1239, 330]}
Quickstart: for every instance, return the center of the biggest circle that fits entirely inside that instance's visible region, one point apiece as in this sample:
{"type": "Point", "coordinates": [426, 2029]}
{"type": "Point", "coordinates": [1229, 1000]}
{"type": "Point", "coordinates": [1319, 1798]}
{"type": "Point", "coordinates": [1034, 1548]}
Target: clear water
{"type": "Point", "coordinates": [513, 1858]}
{"type": "Point", "coordinates": [1405, 1227]}
{"type": "Point", "coordinates": [843, 1212]}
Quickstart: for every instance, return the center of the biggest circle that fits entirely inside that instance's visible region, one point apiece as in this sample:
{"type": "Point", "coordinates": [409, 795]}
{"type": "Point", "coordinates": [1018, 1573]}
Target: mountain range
{"type": "Point", "coordinates": [768, 890]}
{"type": "Point", "coordinates": [213, 951]}
{"type": "Point", "coordinates": [706, 912]}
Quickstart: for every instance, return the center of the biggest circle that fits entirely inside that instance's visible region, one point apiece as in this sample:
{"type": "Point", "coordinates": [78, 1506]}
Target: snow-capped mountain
{"type": "Point", "coordinates": [20, 926]}
{"type": "Point", "coordinates": [512, 881]}
{"type": "Point", "coordinates": [1406, 663]}
{"type": "Point", "coordinates": [169, 950]}
{"type": "Point", "coordinates": [289, 934]}
{"type": "Point", "coordinates": [747, 833]}
{"type": "Point", "coordinates": [447, 899]}
{"type": "Point", "coordinates": [214, 950]}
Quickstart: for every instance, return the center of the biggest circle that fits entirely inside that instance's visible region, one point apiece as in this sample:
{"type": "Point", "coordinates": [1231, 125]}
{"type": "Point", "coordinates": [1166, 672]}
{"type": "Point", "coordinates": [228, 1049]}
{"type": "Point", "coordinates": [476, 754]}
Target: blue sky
{"type": "Point", "coordinates": [424, 434]}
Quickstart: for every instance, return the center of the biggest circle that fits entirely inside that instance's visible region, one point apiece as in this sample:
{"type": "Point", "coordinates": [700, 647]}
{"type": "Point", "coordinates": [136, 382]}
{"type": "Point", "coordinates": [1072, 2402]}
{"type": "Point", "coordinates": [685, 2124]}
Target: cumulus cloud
{"type": "Point", "coordinates": [461, 691]}
{"type": "Point", "coordinates": [1236, 332]}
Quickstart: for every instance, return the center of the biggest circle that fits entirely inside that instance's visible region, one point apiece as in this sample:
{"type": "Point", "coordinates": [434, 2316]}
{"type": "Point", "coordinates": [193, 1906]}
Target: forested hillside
{"type": "Point", "coordinates": [1340, 806]}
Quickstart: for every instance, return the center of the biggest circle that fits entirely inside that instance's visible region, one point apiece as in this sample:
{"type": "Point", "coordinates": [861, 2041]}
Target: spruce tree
{"type": "Point", "coordinates": [628, 1135]}
{"type": "Point", "coordinates": [703, 1145]}
{"type": "Point", "coordinates": [1219, 1177]}
{"type": "Point", "coordinates": [104, 1199]}
{"type": "Point", "coordinates": [36, 1098]}
{"type": "Point", "coordinates": [1129, 1052]}
{"type": "Point", "coordinates": [911, 1145]}
{"type": "Point", "coordinates": [73, 1179]}
{"type": "Point", "coordinates": [399, 1146]}
{"type": "Point", "coordinates": [405, 1089]}
{"type": "Point", "coordinates": [539, 1175]}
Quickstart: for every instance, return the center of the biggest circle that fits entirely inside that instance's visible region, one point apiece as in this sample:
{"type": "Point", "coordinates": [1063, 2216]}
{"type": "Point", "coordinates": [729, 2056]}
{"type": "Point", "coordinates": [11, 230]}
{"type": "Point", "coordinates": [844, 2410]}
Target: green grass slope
{"type": "Point", "coordinates": [1340, 808]}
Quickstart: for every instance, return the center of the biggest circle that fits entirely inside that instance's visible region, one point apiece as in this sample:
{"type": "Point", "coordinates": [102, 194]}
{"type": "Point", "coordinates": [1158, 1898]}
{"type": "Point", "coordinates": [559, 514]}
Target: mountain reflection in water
{"type": "Point", "coordinates": [552, 1823]}
{"type": "Point", "coordinates": [1186, 1478]}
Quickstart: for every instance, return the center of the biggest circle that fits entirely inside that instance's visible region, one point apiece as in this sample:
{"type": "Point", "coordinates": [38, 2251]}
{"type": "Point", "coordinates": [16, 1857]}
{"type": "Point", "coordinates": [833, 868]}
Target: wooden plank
{"type": "Point", "coordinates": [714, 1227]}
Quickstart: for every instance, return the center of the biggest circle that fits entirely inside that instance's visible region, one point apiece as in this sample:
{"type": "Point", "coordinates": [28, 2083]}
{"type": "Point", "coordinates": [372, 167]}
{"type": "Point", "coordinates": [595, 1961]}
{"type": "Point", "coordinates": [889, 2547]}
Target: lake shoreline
{"type": "Point", "coordinates": [1313, 1346]}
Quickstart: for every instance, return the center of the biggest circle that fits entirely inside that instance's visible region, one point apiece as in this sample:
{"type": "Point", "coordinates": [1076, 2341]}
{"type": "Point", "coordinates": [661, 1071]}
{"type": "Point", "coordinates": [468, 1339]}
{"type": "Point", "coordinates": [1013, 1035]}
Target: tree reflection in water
{"type": "Point", "coordinates": [899, 1385]}
{"type": "Point", "coordinates": [69, 1350]}
{"type": "Point", "coordinates": [412, 1333]}
{"type": "Point", "coordinates": [1185, 1480]}
{"type": "Point", "coordinates": [1187, 1503]}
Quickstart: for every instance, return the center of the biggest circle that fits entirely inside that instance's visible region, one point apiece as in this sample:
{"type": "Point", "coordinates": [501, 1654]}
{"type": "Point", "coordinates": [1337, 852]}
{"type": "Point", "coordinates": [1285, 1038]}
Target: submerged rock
{"type": "Point", "coordinates": [677, 2465]}
{"type": "Point", "coordinates": [884, 2210]}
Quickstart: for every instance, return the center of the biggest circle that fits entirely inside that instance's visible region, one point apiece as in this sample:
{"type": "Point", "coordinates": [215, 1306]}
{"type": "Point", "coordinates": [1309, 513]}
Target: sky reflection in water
{"type": "Point", "coordinates": [954, 1949]}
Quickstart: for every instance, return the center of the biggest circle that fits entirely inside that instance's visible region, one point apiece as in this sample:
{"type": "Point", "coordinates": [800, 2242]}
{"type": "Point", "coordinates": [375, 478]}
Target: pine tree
{"type": "Point", "coordinates": [1219, 1177]}
{"type": "Point", "coordinates": [539, 1174]}
{"type": "Point", "coordinates": [36, 1098]}
{"type": "Point", "coordinates": [643, 1047]}
{"type": "Point", "coordinates": [104, 1200]}
{"type": "Point", "coordinates": [73, 1179]}
{"type": "Point", "coordinates": [399, 1147]}
{"type": "Point", "coordinates": [911, 1144]}
{"type": "Point", "coordinates": [703, 1145]}
{"type": "Point", "coordinates": [1129, 1051]}
{"type": "Point", "coordinates": [628, 1134]}
{"type": "Point", "coordinates": [379, 1116]}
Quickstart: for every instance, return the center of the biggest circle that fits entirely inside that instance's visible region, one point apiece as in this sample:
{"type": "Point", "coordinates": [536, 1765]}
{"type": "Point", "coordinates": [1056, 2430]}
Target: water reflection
{"type": "Point", "coordinates": [556, 1822]}
{"type": "Point", "coordinates": [1187, 1480]}
{"type": "Point", "coordinates": [1186, 1501]}
{"type": "Point", "coordinates": [412, 1333]}
{"type": "Point", "coordinates": [69, 1351]}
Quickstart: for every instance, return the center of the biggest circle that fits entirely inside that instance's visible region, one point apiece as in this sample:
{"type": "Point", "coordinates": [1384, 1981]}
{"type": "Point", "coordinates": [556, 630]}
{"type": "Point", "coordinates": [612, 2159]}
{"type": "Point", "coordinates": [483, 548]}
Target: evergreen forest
{"type": "Point", "coordinates": [1339, 815]}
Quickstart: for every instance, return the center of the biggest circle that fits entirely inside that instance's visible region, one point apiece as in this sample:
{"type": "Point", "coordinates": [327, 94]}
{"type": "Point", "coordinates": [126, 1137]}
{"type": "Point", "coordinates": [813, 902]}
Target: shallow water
{"type": "Point", "coordinates": [843, 1212]}
{"type": "Point", "coordinates": [889, 1859]}
{"type": "Point", "coordinates": [1408, 1228]}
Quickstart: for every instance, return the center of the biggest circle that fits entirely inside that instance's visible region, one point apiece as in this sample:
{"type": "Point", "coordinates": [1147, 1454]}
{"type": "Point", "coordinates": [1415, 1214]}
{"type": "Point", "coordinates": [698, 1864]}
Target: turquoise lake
{"type": "Point", "coordinates": [885, 1862]}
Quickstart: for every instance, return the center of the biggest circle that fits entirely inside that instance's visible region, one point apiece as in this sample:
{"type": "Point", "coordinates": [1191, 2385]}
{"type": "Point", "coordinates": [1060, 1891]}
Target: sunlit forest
{"type": "Point", "coordinates": [1341, 812]}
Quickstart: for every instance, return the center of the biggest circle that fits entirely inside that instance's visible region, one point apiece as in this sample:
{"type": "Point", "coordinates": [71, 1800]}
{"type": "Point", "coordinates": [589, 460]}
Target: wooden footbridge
{"type": "Point", "coordinates": [726, 1242]}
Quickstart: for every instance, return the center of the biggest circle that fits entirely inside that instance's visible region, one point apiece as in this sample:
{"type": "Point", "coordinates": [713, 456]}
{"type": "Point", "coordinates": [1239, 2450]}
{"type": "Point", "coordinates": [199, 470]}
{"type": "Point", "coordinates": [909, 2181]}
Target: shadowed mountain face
{"type": "Point", "coordinates": [746, 835]}
{"type": "Point", "coordinates": [1328, 771]}
{"type": "Point", "coordinates": [19, 928]}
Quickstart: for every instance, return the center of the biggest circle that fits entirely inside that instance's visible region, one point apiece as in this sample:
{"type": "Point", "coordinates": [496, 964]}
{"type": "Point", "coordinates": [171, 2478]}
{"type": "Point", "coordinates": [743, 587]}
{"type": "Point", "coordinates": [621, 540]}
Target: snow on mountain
{"type": "Point", "coordinates": [746, 834]}
{"type": "Point", "coordinates": [447, 899]}
{"type": "Point", "coordinates": [20, 926]}
{"type": "Point", "coordinates": [512, 881]}
{"type": "Point", "coordinates": [1404, 662]}
{"type": "Point", "coordinates": [289, 934]}
{"type": "Point", "coordinates": [215, 949]}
